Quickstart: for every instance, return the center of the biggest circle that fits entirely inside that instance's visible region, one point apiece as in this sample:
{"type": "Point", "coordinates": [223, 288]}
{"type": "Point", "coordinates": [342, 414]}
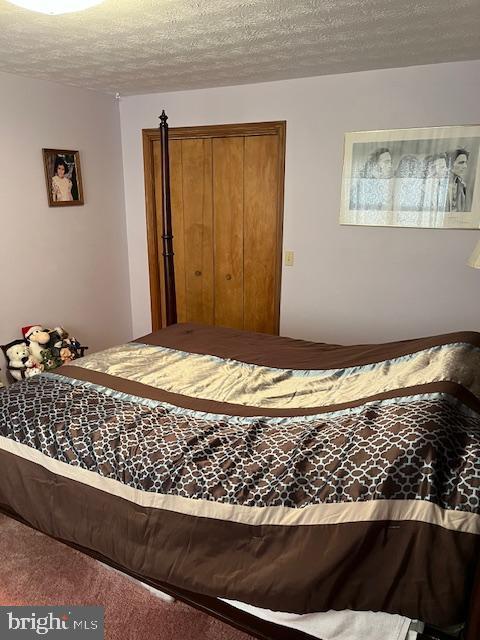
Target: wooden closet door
{"type": "Point", "coordinates": [192, 222]}
{"type": "Point", "coordinates": [227, 215]}
{"type": "Point", "coordinates": [228, 206]}
{"type": "Point", "coordinates": [261, 235]}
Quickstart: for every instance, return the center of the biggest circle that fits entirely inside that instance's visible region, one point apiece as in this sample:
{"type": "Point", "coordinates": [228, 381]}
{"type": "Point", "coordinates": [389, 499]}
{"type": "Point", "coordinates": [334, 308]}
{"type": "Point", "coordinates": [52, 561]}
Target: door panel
{"type": "Point", "coordinates": [260, 233]}
{"type": "Point", "coordinates": [198, 230]}
{"type": "Point", "coordinates": [228, 239]}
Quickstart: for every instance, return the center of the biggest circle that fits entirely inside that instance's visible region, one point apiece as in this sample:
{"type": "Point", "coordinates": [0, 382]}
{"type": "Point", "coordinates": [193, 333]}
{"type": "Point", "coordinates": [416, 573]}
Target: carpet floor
{"type": "Point", "coordinates": [36, 570]}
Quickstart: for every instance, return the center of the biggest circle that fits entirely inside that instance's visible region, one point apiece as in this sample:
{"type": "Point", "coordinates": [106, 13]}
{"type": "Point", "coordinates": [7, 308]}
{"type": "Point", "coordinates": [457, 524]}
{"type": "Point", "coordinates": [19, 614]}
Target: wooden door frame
{"type": "Point", "coordinates": [149, 137]}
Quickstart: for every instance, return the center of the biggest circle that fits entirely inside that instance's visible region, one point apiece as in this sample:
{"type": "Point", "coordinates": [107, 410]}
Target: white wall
{"type": "Point", "coordinates": [67, 265]}
{"type": "Point", "coordinates": [349, 284]}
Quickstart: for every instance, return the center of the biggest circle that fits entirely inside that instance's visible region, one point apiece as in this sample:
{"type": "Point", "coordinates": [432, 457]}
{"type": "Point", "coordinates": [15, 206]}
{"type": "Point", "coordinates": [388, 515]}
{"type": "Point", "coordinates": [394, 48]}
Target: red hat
{"type": "Point", "coordinates": [29, 329]}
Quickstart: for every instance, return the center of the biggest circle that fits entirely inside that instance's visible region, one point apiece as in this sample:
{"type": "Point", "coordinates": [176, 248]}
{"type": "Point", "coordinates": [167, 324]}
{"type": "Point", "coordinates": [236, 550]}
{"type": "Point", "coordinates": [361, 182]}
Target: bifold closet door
{"type": "Point", "coordinates": [262, 234]}
{"type": "Point", "coordinates": [192, 221]}
{"type": "Point", "coordinates": [228, 219]}
{"type": "Point", "coordinates": [227, 214]}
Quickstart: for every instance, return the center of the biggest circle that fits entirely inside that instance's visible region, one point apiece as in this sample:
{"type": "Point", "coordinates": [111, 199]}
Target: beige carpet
{"type": "Point", "coordinates": [36, 570]}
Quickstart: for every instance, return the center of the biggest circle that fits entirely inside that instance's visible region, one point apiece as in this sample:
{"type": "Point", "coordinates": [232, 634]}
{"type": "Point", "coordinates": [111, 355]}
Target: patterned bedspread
{"type": "Point", "coordinates": [294, 476]}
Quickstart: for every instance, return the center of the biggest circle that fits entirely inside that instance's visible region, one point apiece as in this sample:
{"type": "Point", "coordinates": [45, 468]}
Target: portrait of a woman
{"type": "Point", "coordinates": [63, 177]}
{"type": "Point", "coordinates": [61, 183]}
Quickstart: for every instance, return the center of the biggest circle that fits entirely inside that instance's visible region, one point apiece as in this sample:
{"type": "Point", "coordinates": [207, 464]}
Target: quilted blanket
{"type": "Point", "coordinates": [290, 475]}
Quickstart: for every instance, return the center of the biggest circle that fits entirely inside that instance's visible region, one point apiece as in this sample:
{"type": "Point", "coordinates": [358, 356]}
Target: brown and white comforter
{"type": "Point", "coordinates": [290, 475]}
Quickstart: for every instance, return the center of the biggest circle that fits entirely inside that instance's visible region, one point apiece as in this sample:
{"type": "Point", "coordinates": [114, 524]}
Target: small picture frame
{"type": "Point", "coordinates": [63, 177]}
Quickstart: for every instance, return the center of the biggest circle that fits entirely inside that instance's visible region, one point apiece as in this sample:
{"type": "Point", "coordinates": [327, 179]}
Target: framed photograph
{"type": "Point", "coordinates": [63, 177]}
{"type": "Point", "coordinates": [412, 178]}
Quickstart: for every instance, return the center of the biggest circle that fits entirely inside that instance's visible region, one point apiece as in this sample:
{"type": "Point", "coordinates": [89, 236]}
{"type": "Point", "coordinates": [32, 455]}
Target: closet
{"type": "Point", "coordinates": [227, 213]}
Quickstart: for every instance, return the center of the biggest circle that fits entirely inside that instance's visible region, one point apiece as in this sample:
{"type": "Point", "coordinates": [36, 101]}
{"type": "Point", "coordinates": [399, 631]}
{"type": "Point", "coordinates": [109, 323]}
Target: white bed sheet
{"type": "Point", "coordinates": [341, 625]}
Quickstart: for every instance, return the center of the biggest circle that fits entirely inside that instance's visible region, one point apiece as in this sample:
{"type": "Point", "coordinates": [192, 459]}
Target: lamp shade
{"type": "Point", "coordinates": [55, 7]}
{"type": "Point", "coordinates": [474, 260]}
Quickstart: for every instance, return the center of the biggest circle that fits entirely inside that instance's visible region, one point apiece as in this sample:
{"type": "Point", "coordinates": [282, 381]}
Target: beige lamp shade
{"type": "Point", "coordinates": [474, 260]}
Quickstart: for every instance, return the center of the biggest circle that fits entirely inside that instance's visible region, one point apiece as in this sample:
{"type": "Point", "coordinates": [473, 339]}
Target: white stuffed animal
{"type": "Point", "coordinates": [17, 354]}
{"type": "Point", "coordinates": [37, 338]}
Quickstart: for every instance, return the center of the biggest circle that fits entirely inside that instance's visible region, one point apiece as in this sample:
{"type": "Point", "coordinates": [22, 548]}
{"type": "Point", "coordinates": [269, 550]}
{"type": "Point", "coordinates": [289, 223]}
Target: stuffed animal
{"type": "Point", "coordinates": [33, 368]}
{"type": "Point", "coordinates": [51, 352]}
{"type": "Point", "coordinates": [66, 354]}
{"type": "Point", "coordinates": [37, 338]}
{"type": "Point", "coordinates": [19, 360]}
{"type": "Point", "coordinates": [77, 347]}
{"type": "Point", "coordinates": [57, 336]}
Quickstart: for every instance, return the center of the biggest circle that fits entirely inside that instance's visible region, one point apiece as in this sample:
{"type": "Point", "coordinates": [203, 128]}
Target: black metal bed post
{"type": "Point", "coordinates": [167, 236]}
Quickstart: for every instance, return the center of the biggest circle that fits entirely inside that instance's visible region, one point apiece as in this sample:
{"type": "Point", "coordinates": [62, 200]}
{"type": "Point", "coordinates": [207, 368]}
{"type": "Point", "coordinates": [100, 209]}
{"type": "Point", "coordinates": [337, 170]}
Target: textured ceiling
{"type": "Point", "coordinates": [142, 46]}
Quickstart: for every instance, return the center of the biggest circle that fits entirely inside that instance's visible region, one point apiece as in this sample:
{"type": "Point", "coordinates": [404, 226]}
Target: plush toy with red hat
{"type": "Point", "coordinates": [36, 338]}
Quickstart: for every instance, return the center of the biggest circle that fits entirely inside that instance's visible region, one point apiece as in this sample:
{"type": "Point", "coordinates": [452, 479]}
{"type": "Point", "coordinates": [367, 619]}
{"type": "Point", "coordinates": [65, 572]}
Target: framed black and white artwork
{"type": "Point", "coordinates": [412, 178]}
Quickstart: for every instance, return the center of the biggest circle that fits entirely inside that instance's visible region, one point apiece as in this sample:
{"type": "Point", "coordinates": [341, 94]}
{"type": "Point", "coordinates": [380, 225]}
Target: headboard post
{"type": "Point", "coordinates": [167, 236]}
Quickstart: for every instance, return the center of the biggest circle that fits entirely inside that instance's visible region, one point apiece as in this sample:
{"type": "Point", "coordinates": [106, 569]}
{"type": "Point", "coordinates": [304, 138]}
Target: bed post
{"type": "Point", "coordinates": [472, 631]}
{"type": "Point", "coordinates": [167, 236]}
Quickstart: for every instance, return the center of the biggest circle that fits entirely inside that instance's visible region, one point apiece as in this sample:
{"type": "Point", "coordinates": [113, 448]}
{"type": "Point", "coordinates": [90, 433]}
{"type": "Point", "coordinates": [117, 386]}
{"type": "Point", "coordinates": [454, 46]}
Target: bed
{"type": "Point", "coordinates": [248, 474]}
{"type": "Point", "coordinates": [287, 475]}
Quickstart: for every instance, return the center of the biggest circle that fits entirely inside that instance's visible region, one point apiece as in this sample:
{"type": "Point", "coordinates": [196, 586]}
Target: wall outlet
{"type": "Point", "coordinates": [289, 257]}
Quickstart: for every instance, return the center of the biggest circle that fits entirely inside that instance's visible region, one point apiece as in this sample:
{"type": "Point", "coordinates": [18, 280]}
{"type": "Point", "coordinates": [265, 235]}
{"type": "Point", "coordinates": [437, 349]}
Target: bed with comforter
{"type": "Point", "coordinates": [288, 475]}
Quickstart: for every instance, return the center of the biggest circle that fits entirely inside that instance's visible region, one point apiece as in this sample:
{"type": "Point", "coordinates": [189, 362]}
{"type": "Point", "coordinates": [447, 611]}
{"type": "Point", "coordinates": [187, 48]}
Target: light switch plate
{"type": "Point", "coordinates": [289, 257]}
